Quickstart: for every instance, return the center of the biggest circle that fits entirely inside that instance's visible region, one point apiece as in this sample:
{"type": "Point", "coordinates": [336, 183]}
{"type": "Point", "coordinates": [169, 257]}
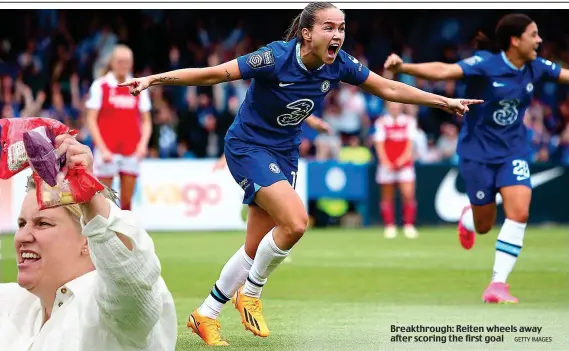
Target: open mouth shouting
{"type": "Point", "coordinates": [28, 258]}
{"type": "Point", "coordinates": [333, 50]}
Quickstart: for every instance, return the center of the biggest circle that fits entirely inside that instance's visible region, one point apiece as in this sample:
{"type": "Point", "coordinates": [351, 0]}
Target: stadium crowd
{"type": "Point", "coordinates": [48, 59]}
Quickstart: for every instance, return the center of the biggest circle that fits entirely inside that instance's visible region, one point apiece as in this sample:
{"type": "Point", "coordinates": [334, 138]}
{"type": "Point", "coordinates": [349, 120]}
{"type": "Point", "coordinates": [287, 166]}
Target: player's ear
{"type": "Point", "coordinates": [515, 41]}
{"type": "Point", "coordinates": [306, 34]}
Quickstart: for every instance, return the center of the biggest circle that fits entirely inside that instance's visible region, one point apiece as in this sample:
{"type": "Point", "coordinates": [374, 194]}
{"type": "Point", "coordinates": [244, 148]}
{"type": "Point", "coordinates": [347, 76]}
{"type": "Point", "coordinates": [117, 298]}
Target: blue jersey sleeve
{"type": "Point", "coordinates": [473, 66]}
{"type": "Point", "coordinates": [547, 70]}
{"type": "Point", "coordinates": [258, 64]}
{"type": "Point", "coordinates": [352, 71]}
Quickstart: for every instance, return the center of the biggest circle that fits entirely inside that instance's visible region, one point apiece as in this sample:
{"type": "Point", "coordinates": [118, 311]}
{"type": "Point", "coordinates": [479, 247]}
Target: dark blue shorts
{"type": "Point", "coordinates": [484, 180]}
{"type": "Point", "coordinates": [255, 166]}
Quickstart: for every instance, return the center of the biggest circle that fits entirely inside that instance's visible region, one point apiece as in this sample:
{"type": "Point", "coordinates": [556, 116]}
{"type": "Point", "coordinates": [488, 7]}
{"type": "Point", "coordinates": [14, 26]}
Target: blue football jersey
{"type": "Point", "coordinates": [494, 131]}
{"type": "Point", "coordinates": [283, 93]}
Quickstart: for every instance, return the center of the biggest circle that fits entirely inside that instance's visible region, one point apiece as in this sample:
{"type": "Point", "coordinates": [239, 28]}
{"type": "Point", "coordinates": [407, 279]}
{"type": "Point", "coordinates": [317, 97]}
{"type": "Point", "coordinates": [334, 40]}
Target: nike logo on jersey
{"type": "Point", "coordinates": [449, 202]}
{"type": "Point", "coordinates": [282, 85]}
{"type": "Point", "coordinates": [498, 85]}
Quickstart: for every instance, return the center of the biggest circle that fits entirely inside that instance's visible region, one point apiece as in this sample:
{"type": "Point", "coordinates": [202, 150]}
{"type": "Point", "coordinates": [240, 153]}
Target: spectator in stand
{"type": "Point", "coordinates": [64, 113]}
{"type": "Point", "coordinates": [104, 43]}
{"type": "Point", "coordinates": [62, 72]}
{"type": "Point", "coordinates": [21, 103]}
{"type": "Point", "coordinates": [328, 146]}
{"type": "Point", "coordinates": [446, 144]}
{"type": "Point", "coordinates": [31, 66]}
{"type": "Point", "coordinates": [353, 118]}
{"type": "Point", "coordinates": [164, 141]}
{"type": "Point", "coordinates": [207, 118]}
{"type": "Point", "coordinates": [564, 138]}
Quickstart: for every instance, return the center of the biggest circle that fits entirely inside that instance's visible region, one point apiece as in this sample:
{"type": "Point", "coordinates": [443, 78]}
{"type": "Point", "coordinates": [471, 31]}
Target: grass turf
{"type": "Point", "coordinates": [344, 289]}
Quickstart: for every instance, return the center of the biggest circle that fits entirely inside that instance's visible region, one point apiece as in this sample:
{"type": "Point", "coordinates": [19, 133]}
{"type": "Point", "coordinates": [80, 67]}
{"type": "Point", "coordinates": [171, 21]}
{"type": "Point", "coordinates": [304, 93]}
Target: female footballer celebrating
{"type": "Point", "coordinates": [289, 82]}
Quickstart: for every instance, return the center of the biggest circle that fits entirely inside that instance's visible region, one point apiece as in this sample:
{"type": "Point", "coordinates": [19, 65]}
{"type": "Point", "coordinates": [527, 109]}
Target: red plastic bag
{"type": "Point", "coordinates": [13, 157]}
{"type": "Point", "coordinates": [56, 185]}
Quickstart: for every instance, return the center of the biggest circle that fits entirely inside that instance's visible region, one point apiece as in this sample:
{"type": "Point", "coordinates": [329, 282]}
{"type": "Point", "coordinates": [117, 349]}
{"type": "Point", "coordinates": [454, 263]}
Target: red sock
{"type": "Point", "coordinates": [409, 212]}
{"type": "Point", "coordinates": [387, 212]}
{"type": "Point", "coordinates": [125, 207]}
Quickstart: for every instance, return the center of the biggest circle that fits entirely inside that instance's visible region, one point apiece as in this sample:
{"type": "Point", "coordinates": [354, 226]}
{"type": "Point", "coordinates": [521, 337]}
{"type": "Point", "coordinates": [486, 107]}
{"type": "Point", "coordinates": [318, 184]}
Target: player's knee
{"type": "Point", "coordinates": [519, 215]}
{"type": "Point", "coordinates": [297, 226]}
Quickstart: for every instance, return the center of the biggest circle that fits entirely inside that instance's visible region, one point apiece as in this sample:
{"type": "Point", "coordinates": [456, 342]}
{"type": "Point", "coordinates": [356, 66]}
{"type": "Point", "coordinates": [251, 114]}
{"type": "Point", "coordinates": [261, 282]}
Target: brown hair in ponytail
{"type": "Point", "coordinates": [293, 29]}
{"type": "Point", "coordinates": [482, 42]}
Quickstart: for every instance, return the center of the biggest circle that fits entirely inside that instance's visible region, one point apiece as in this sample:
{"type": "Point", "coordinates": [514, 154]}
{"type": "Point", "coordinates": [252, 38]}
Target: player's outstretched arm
{"type": "Point", "coordinates": [206, 76]}
{"type": "Point", "coordinates": [398, 92]}
{"type": "Point", "coordinates": [428, 70]}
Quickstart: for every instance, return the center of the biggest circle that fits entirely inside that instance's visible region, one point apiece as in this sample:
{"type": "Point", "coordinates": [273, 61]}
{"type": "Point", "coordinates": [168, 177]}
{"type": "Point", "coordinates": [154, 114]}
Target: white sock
{"type": "Point", "coordinates": [267, 259]}
{"type": "Point", "coordinates": [232, 277]}
{"type": "Point", "coordinates": [468, 220]}
{"type": "Point", "coordinates": [508, 247]}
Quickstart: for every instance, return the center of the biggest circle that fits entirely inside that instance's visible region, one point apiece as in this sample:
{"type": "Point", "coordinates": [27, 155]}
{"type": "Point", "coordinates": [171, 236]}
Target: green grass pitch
{"type": "Point", "coordinates": [343, 289]}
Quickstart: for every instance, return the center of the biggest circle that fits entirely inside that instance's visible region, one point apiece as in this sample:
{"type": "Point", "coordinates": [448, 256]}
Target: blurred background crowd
{"type": "Point", "coordinates": [48, 59]}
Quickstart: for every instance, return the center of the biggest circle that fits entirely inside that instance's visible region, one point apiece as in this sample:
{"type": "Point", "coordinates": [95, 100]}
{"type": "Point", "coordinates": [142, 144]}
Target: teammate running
{"type": "Point", "coordinates": [493, 146]}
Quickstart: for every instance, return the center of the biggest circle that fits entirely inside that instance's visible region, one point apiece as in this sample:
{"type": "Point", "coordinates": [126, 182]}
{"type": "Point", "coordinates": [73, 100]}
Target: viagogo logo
{"type": "Point", "coordinates": [191, 196]}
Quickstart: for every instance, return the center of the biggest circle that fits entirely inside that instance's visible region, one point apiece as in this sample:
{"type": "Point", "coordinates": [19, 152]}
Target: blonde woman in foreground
{"type": "Point", "coordinates": [88, 277]}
